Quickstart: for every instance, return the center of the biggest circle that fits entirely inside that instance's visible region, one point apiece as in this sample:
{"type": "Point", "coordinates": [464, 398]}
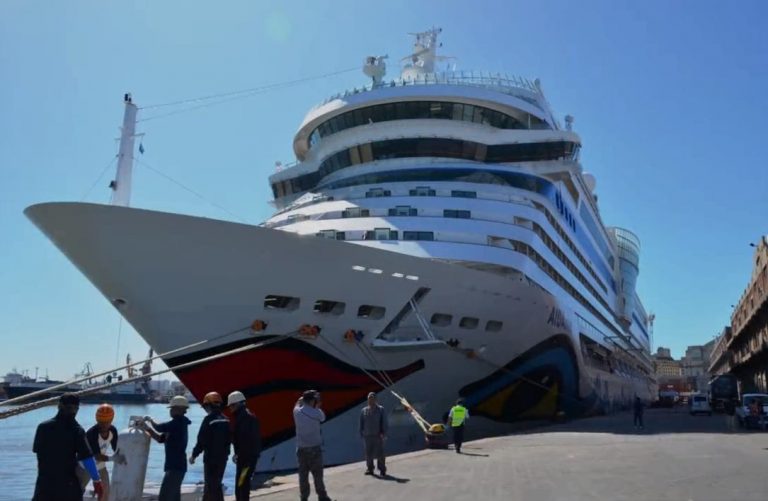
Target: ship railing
{"type": "Point", "coordinates": [501, 82]}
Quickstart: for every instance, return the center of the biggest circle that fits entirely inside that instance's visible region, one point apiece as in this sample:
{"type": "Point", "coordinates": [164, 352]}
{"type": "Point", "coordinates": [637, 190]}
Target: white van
{"type": "Point", "coordinates": [698, 404]}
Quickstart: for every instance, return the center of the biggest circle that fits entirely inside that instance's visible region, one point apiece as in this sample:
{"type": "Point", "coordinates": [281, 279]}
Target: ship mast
{"type": "Point", "coordinates": [121, 186]}
{"type": "Point", "coordinates": [424, 56]}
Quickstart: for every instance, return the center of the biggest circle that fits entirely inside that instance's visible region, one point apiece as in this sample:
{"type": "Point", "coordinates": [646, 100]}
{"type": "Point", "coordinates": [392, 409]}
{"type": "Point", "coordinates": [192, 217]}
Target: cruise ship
{"type": "Point", "coordinates": [437, 237]}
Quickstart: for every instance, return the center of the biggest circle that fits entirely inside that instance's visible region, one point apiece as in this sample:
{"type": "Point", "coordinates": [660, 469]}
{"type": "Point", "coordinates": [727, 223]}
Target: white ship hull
{"type": "Point", "coordinates": [187, 279]}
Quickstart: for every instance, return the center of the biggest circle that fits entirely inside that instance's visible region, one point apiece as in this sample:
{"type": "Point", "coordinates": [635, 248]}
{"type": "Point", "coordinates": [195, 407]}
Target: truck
{"type": "Point", "coordinates": [723, 390]}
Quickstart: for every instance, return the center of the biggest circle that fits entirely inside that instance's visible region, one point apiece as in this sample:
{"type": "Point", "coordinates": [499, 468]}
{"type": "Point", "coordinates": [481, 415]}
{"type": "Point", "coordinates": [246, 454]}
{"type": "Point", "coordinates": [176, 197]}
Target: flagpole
{"type": "Point", "coordinates": [121, 186]}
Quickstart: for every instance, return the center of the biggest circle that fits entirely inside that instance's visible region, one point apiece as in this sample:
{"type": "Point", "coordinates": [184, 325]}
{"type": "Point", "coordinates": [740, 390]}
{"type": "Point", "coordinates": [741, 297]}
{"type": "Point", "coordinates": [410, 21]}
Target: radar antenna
{"type": "Point", "coordinates": [376, 68]}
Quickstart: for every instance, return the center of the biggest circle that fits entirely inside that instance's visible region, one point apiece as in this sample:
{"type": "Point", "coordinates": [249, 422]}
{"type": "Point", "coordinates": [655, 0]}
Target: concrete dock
{"type": "Point", "coordinates": [676, 457]}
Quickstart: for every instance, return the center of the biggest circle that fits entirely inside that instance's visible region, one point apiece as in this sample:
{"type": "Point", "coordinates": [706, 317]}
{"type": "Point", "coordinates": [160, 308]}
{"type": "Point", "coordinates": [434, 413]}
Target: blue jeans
{"type": "Point", "coordinates": [170, 489]}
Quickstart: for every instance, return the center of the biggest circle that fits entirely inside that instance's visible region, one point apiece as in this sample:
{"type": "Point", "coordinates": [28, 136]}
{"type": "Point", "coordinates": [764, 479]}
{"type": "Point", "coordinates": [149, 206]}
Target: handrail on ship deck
{"type": "Point", "coordinates": [501, 81]}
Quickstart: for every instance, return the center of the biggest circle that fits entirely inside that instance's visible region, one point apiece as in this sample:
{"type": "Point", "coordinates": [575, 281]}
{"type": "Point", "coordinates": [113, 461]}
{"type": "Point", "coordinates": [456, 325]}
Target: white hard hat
{"type": "Point", "coordinates": [179, 401]}
{"type": "Point", "coordinates": [235, 398]}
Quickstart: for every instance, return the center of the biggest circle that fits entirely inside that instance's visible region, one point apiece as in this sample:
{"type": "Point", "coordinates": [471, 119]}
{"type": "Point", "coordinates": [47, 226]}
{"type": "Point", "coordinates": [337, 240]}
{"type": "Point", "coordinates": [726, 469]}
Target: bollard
{"type": "Point", "coordinates": [128, 476]}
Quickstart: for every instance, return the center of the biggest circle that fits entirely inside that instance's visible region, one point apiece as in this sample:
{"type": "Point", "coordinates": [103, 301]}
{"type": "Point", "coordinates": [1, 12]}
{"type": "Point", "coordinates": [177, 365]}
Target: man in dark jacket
{"type": "Point", "coordinates": [59, 444]}
{"type": "Point", "coordinates": [174, 434]}
{"type": "Point", "coordinates": [638, 407]}
{"type": "Point", "coordinates": [246, 440]}
{"type": "Point", "coordinates": [213, 442]}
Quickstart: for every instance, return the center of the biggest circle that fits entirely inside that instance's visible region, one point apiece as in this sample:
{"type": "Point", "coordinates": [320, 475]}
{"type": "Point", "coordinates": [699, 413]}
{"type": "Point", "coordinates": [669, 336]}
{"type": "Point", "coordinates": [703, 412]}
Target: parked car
{"type": "Point", "coordinates": [698, 404]}
{"type": "Point", "coordinates": [752, 410]}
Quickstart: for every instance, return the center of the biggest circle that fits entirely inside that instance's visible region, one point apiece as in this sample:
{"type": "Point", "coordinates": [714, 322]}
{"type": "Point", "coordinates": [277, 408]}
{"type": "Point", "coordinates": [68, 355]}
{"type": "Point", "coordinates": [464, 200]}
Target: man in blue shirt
{"type": "Point", "coordinates": [174, 435]}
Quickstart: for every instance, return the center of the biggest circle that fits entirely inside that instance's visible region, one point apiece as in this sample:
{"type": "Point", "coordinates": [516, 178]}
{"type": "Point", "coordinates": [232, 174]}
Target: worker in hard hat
{"type": "Point", "coordinates": [59, 444]}
{"type": "Point", "coordinates": [373, 430]}
{"type": "Point", "coordinates": [457, 418]}
{"type": "Point", "coordinates": [213, 443]}
{"type": "Point", "coordinates": [173, 434]}
{"type": "Point", "coordinates": [102, 439]}
{"type": "Point", "coordinates": [246, 441]}
{"type": "Point", "coordinates": [308, 416]}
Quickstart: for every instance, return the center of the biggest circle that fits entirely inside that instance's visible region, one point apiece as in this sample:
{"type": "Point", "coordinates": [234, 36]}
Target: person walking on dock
{"type": "Point", "coordinates": [59, 444]}
{"type": "Point", "coordinates": [174, 434]}
{"type": "Point", "coordinates": [213, 443]}
{"type": "Point", "coordinates": [102, 439]}
{"type": "Point", "coordinates": [457, 417]}
{"type": "Point", "coordinates": [308, 416]}
{"type": "Point", "coordinates": [638, 407]}
{"type": "Point", "coordinates": [246, 440]}
{"type": "Point", "coordinates": [373, 431]}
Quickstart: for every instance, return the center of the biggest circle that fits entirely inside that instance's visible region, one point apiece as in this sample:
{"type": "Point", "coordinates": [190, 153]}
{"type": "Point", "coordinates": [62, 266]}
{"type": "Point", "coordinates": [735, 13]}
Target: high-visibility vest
{"type": "Point", "coordinates": [458, 414]}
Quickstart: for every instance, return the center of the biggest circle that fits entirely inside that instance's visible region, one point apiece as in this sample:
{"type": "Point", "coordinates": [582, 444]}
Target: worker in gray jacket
{"type": "Point", "coordinates": [373, 430]}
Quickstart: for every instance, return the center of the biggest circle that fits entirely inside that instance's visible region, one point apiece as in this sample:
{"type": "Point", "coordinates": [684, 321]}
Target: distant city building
{"type": "Point", "coordinates": [665, 365]}
{"type": "Point", "coordinates": [695, 365]}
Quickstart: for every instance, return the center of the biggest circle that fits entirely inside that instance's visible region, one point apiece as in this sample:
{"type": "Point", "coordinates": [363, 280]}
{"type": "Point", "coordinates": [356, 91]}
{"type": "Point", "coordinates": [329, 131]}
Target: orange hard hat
{"type": "Point", "coordinates": [213, 398]}
{"type": "Point", "coordinates": [105, 414]}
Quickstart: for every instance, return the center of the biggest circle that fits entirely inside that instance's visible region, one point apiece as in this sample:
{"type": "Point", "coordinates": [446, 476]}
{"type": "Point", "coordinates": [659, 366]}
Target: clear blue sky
{"type": "Point", "coordinates": [669, 99]}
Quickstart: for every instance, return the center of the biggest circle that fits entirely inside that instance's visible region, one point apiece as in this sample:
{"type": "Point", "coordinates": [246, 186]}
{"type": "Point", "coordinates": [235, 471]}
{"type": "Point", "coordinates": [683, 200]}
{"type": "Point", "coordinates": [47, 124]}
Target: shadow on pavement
{"type": "Point", "coordinates": [392, 478]}
{"type": "Point", "coordinates": [464, 453]}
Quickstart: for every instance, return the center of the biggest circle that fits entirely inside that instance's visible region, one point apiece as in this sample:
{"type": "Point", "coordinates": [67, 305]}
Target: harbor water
{"type": "Point", "coordinates": [18, 465]}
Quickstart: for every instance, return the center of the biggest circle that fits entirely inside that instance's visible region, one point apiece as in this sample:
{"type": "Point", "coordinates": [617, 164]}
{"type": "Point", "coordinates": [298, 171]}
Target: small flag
{"type": "Point", "coordinates": [141, 148]}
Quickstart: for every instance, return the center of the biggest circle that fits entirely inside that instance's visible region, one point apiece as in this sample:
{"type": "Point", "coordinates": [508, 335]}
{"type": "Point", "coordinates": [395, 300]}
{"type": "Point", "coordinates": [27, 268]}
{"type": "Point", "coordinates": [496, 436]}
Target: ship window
{"type": "Point", "coordinates": [416, 110]}
{"type": "Point", "coordinates": [371, 312]}
{"type": "Point", "coordinates": [326, 234]}
{"type": "Point", "coordinates": [458, 111]}
{"type": "Point", "coordinates": [461, 214]}
{"type": "Point", "coordinates": [381, 234]}
{"type": "Point", "coordinates": [418, 235]}
{"type": "Point", "coordinates": [441, 319]}
{"type": "Point", "coordinates": [469, 322]}
{"type": "Point", "coordinates": [422, 191]}
{"type": "Point", "coordinates": [377, 192]}
{"type": "Point", "coordinates": [355, 212]}
{"type": "Point", "coordinates": [463, 194]}
{"type": "Point", "coordinates": [273, 302]}
{"type": "Point", "coordinates": [403, 210]}
{"type": "Point", "coordinates": [325, 306]}
{"type": "Point", "coordinates": [493, 326]}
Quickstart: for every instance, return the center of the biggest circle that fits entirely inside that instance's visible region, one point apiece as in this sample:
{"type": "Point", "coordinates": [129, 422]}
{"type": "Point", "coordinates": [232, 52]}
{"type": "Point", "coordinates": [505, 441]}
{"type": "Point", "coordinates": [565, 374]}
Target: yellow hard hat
{"type": "Point", "coordinates": [105, 414]}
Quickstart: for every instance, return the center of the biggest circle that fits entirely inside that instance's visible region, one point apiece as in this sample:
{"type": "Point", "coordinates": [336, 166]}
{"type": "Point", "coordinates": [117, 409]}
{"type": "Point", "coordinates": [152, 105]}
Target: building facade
{"type": "Point", "coordinates": [748, 342]}
{"type": "Point", "coordinates": [720, 359]}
